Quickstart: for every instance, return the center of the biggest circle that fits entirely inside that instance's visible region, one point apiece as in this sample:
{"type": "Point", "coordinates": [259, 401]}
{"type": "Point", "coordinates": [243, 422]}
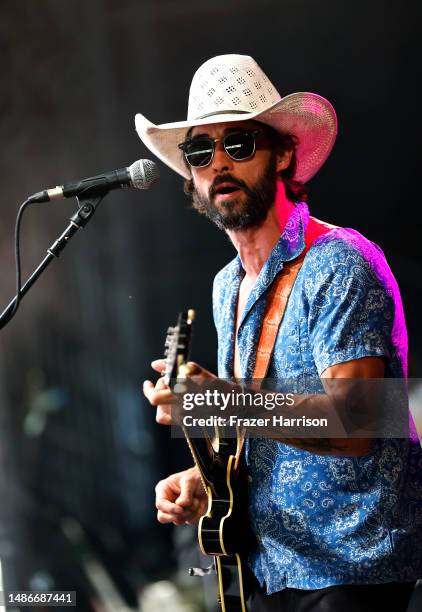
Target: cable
{"type": "Point", "coordinates": [17, 262]}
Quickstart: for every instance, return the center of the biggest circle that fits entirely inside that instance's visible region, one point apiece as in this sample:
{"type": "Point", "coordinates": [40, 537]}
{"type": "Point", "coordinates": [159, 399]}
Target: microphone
{"type": "Point", "coordinates": [142, 174]}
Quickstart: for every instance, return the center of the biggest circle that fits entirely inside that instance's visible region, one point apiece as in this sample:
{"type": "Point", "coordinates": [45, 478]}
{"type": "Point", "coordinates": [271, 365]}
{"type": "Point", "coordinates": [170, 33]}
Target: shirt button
{"type": "Point", "coordinates": [250, 479]}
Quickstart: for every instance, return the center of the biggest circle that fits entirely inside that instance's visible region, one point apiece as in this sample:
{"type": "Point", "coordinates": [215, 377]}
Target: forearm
{"type": "Point", "coordinates": [318, 423]}
{"type": "Point", "coordinates": [332, 439]}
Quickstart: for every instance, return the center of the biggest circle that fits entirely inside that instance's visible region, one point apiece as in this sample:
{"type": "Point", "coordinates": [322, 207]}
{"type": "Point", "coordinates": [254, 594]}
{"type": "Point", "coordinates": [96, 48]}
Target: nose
{"type": "Point", "coordinates": [221, 162]}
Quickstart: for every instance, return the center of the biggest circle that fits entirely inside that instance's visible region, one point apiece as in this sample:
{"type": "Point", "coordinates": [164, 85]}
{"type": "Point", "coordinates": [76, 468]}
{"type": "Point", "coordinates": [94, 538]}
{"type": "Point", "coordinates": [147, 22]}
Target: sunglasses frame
{"type": "Point", "coordinates": [183, 145]}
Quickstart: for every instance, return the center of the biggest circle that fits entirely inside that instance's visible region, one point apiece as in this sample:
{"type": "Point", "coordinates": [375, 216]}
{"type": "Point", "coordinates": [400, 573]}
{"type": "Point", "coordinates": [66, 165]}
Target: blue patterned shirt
{"type": "Point", "coordinates": [322, 520]}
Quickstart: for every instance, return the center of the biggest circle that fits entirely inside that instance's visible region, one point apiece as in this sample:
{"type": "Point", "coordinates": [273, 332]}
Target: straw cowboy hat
{"type": "Point", "coordinates": [234, 88]}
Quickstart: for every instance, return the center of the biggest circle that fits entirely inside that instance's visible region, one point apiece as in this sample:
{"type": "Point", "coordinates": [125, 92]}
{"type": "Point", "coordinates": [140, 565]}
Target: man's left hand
{"type": "Point", "coordinates": [161, 396]}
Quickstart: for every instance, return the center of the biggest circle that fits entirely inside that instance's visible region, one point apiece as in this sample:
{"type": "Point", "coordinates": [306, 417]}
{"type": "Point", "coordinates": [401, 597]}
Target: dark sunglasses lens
{"type": "Point", "coordinates": [240, 146]}
{"type": "Point", "coordinates": [199, 152]}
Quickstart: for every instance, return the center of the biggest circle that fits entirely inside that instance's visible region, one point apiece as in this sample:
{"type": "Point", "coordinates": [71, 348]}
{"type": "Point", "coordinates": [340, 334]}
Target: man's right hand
{"type": "Point", "coordinates": [181, 498]}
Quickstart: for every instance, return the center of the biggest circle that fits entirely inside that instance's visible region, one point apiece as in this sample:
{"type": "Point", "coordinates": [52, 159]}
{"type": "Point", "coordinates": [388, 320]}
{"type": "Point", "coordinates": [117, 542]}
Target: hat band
{"type": "Point", "coordinates": [223, 112]}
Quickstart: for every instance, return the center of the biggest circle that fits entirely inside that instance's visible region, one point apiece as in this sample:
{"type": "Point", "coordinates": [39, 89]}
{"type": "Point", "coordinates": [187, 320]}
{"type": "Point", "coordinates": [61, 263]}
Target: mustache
{"type": "Point", "coordinates": [226, 178]}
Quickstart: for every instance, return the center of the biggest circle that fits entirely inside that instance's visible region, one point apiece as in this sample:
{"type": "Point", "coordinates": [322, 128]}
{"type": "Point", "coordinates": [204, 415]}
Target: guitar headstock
{"type": "Point", "coordinates": [177, 345]}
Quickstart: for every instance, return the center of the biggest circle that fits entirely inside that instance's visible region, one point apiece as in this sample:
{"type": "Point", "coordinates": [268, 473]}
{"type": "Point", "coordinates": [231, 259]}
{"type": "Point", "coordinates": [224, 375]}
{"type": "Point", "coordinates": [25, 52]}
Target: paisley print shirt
{"type": "Point", "coordinates": [323, 520]}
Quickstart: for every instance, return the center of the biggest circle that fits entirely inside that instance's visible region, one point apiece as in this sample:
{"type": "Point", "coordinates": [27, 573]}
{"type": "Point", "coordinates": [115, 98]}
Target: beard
{"type": "Point", "coordinates": [233, 214]}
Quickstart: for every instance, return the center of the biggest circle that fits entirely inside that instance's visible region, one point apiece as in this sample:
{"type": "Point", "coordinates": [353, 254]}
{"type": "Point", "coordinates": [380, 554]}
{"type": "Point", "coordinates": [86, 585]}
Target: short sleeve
{"type": "Point", "coordinates": [350, 312]}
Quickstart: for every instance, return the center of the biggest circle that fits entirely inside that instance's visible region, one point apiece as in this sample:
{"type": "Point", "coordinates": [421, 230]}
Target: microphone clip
{"type": "Point", "coordinates": [87, 205]}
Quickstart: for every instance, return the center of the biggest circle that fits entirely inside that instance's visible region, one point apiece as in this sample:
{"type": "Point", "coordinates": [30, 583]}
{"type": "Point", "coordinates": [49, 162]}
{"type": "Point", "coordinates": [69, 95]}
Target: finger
{"type": "Point", "coordinates": [168, 507]}
{"type": "Point", "coordinates": [193, 368]}
{"type": "Point", "coordinates": [186, 497]}
{"type": "Point", "coordinates": [190, 513]}
{"type": "Point", "coordinates": [161, 384]}
{"type": "Point", "coordinates": [155, 397]}
{"type": "Point", "coordinates": [192, 516]}
{"type": "Point", "coordinates": [164, 517]}
{"type": "Point", "coordinates": [163, 396]}
{"type": "Point", "coordinates": [163, 416]}
{"type": "Point", "coordinates": [159, 365]}
{"type": "Point", "coordinates": [147, 387]}
{"type": "Point", "coordinates": [168, 488]}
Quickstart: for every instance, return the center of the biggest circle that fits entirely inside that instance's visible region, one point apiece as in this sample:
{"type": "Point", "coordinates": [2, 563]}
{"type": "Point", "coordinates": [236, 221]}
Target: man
{"type": "Point", "coordinates": [338, 522]}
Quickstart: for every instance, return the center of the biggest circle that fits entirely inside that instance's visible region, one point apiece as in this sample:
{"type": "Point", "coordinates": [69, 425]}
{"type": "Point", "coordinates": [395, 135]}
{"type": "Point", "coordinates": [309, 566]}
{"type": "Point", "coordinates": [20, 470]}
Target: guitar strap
{"type": "Point", "coordinates": [279, 296]}
{"type": "Point", "coordinates": [274, 310]}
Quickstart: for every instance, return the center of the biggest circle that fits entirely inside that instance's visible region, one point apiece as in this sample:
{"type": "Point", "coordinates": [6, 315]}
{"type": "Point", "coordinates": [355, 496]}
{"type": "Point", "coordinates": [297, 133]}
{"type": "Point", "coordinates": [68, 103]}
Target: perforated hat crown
{"type": "Point", "coordinates": [233, 87]}
{"type": "Point", "coordinates": [230, 84]}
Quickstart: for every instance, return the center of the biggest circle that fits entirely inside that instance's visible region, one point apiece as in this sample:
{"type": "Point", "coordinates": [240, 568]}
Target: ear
{"type": "Point", "coordinates": [283, 159]}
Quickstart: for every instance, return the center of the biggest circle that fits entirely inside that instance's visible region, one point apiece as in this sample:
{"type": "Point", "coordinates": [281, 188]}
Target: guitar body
{"type": "Point", "coordinates": [223, 531]}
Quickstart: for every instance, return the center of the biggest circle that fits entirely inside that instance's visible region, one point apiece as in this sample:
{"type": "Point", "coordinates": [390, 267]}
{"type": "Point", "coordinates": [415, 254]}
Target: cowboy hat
{"type": "Point", "coordinates": [234, 88]}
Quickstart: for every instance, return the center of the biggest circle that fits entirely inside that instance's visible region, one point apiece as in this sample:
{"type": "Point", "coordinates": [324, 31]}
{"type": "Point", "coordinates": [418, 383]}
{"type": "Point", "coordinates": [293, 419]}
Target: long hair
{"type": "Point", "coordinates": [295, 190]}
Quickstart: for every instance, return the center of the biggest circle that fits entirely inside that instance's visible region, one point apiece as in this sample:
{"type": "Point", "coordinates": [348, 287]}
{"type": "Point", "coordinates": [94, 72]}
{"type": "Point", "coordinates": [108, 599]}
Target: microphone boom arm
{"type": "Point", "coordinates": [87, 206]}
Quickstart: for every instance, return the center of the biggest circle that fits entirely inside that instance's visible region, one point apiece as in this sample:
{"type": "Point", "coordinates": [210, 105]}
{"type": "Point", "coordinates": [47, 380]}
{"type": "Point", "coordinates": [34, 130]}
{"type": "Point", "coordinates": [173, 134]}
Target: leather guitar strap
{"type": "Point", "coordinates": [276, 305]}
{"type": "Point", "coordinates": [278, 298]}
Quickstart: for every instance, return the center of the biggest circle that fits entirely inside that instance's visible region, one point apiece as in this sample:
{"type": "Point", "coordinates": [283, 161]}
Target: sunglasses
{"type": "Point", "coordinates": [238, 145]}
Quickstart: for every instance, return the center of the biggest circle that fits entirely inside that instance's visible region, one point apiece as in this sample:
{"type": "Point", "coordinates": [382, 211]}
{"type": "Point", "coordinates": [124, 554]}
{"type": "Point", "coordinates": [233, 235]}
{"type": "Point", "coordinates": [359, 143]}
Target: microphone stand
{"type": "Point", "coordinates": [87, 206]}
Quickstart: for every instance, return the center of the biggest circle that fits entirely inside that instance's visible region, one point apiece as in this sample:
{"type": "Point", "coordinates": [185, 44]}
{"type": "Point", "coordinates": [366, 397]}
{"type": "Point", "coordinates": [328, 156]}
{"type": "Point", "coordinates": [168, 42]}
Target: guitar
{"type": "Point", "coordinates": [223, 531]}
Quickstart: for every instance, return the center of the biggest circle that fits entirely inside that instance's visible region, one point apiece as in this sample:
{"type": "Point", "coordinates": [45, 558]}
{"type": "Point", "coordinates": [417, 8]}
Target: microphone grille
{"type": "Point", "coordinates": [144, 173]}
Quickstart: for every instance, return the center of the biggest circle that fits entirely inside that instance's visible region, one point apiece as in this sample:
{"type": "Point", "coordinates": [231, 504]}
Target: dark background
{"type": "Point", "coordinates": [77, 439]}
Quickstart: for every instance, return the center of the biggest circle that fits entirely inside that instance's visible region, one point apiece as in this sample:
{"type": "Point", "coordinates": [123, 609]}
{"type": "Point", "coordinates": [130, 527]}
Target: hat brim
{"type": "Point", "coordinates": [308, 116]}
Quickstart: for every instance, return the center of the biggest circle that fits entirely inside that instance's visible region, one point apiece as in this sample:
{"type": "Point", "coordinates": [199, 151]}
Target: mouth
{"type": "Point", "coordinates": [226, 190]}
